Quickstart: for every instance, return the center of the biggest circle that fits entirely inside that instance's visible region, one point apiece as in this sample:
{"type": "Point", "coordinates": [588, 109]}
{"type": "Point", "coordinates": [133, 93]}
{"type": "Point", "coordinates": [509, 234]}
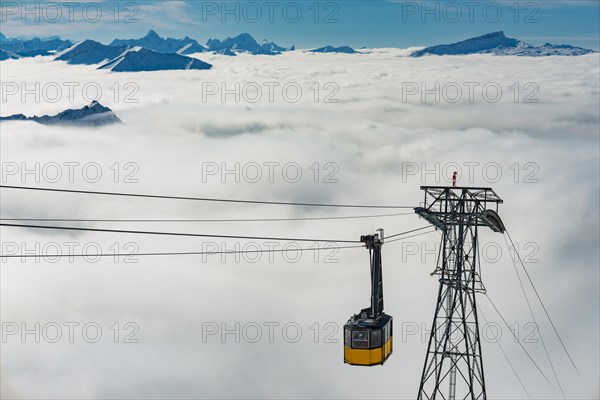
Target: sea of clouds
{"type": "Point", "coordinates": [376, 141]}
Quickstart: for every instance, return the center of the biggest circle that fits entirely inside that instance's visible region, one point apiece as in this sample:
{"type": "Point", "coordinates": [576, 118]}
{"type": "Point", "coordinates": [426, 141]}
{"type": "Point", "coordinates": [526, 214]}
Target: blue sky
{"type": "Point", "coordinates": [373, 23]}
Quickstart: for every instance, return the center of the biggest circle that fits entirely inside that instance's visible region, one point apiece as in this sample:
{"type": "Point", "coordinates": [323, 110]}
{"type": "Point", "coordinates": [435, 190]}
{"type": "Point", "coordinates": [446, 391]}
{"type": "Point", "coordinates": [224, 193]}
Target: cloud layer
{"type": "Point", "coordinates": [375, 141]}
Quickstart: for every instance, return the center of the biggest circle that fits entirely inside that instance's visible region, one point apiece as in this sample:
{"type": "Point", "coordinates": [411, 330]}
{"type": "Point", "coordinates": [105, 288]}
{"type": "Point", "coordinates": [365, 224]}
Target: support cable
{"type": "Point", "coordinates": [534, 319]}
{"type": "Point", "coordinates": [518, 341]}
{"type": "Point", "coordinates": [412, 230]}
{"type": "Point", "coordinates": [154, 196]}
{"type": "Point", "coordinates": [543, 306]}
{"type": "Point", "coordinates": [207, 220]}
{"type": "Point", "coordinates": [72, 228]}
{"type": "Point", "coordinates": [184, 253]}
{"type": "Point", "coordinates": [508, 360]}
{"type": "Point", "coordinates": [406, 237]}
{"type": "Point", "coordinates": [188, 252]}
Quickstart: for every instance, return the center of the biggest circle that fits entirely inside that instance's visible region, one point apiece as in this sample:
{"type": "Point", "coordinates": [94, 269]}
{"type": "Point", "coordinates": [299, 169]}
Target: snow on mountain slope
{"type": "Point", "coordinates": [7, 55]}
{"type": "Point", "coordinates": [90, 52]}
{"type": "Point", "coordinates": [94, 114]}
{"type": "Point", "coordinates": [141, 59]}
{"type": "Point", "coordinates": [497, 43]}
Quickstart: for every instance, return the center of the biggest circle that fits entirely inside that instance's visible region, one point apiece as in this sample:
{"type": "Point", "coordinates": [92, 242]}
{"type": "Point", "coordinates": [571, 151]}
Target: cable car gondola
{"type": "Point", "coordinates": [368, 334]}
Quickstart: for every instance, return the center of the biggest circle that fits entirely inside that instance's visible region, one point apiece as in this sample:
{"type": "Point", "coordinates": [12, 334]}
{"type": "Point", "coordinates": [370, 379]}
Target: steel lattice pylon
{"type": "Point", "coordinates": [454, 365]}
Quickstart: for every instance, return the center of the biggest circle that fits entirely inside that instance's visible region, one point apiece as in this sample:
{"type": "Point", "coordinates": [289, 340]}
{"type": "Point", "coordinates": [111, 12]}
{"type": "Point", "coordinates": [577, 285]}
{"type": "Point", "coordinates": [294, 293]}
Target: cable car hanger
{"type": "Point", "coordinates": [368, 334]}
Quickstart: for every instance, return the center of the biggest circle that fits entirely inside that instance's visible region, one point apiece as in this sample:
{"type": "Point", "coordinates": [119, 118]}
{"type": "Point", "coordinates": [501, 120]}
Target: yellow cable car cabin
{"type": "Point", "coordinates": [368, 334]}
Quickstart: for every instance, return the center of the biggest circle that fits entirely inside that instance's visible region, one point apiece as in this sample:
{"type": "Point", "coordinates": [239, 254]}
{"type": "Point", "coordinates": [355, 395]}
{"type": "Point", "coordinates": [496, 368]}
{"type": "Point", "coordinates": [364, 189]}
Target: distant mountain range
{"type": "Point", "coordinates": [331, 49]}
{"type": "Point", "coordinates": [94, 114]}
{"type": "Point", "coordinates": [125, 58]}
{"type": "Point", "coordinates": [17, 47]}
{"type": "Point", "coordinates": [153, 52]}
{"type": "Point", "coordinates": [497, 43]}
{"type": "Point", "coordinates": [241, 43]}
{"type": "Point", "coordinates": [149, 53]}
{"type": "Point", "coordinates": [92, 52]}
{"type": "Point", "coordinates": [245, 43]}
{"type": "Point", "coordinates": [154, 42]}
